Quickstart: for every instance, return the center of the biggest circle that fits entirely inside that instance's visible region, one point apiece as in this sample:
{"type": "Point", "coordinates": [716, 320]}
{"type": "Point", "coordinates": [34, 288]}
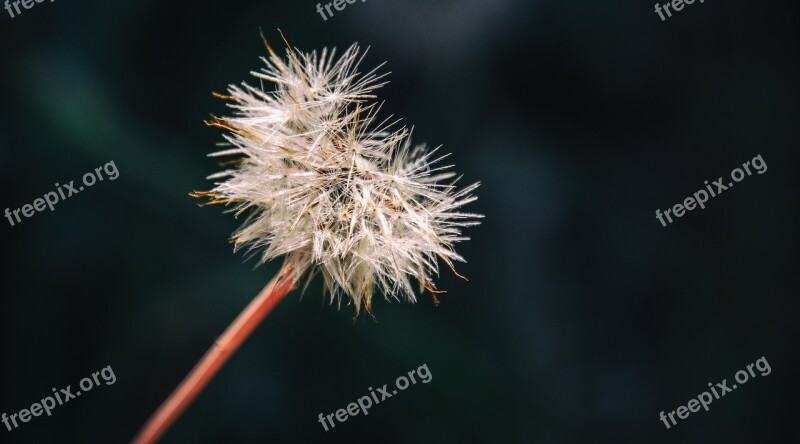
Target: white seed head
{"type": "Point", "coordinates": [323, 181]}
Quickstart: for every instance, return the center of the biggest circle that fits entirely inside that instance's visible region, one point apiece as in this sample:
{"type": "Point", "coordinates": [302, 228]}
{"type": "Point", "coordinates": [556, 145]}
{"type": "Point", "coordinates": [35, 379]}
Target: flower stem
{"type": "Point", "coordinates": [217, 355]}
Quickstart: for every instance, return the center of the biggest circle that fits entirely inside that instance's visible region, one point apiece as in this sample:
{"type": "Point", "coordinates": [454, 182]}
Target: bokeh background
{"type": "Point", "coordinates": [583, 318]}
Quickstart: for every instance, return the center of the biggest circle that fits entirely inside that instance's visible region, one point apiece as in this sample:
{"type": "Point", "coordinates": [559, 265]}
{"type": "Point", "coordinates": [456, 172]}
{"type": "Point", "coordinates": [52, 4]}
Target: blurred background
{"type": "Point", "coordinates": [583, 317]}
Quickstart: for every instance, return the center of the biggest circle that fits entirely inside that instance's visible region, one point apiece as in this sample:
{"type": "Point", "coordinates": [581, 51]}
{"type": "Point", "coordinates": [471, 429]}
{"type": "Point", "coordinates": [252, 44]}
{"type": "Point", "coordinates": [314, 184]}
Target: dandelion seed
{"type": "Point", "coordinates": [329, 185]}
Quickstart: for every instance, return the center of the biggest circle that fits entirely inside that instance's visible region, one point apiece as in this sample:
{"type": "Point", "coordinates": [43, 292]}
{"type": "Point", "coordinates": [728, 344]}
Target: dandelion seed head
{"type": "Point", "coordinates": [322, 180]}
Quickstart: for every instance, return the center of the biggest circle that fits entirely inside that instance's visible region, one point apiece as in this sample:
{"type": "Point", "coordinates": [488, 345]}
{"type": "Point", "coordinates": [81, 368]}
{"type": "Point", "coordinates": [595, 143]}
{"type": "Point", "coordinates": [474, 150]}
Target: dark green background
{"type": "Point", "coordinates": [583, 317]}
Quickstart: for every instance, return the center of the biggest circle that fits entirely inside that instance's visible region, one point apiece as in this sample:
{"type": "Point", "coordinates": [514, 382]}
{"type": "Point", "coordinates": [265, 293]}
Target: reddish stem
{"type": "Point", "coordinates": [216, 357]}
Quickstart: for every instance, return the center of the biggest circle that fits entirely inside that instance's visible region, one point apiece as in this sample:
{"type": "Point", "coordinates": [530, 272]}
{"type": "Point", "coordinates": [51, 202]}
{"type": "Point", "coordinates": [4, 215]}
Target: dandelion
{"type": "Point", "coordinates": [331, 188]}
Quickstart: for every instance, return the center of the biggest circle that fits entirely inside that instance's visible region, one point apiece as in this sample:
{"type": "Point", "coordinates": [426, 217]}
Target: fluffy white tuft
{"type": "Point", "coordinates": [326, 183]}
